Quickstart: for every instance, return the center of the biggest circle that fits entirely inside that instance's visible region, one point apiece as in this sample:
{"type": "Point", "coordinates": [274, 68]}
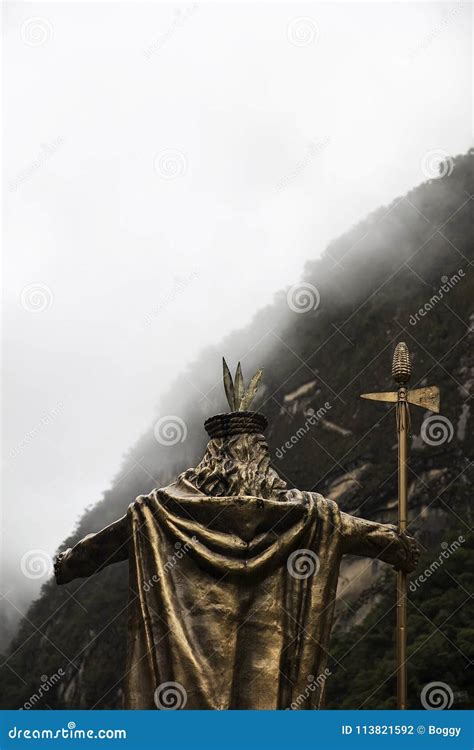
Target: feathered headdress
{"type": "Point", "coordinates": [240, 420]}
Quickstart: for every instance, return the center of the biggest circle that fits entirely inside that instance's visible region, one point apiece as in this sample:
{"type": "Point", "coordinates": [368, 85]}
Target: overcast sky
{"type": "Point", "coordinates": [157, 153]}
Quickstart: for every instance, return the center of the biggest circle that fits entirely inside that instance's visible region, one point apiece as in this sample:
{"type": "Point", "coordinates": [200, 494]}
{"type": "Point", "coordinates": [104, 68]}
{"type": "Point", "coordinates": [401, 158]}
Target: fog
{"type": "Point", "coordinates": [167, 170]}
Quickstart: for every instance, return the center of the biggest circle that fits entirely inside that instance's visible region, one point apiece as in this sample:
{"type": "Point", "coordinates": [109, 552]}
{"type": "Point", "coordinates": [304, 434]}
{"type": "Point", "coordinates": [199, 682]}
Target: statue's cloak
{"type": "Point", "coordinates": [220, 605]}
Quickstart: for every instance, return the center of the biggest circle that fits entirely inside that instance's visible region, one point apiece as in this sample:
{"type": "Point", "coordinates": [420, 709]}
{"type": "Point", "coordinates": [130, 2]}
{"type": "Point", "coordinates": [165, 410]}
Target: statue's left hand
{"type": "Point", "coordinates": [410, 553]}
{"type": "Point", "coordinates": [60, 567]}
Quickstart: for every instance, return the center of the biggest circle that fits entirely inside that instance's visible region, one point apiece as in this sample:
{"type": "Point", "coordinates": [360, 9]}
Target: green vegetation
{"type": "Point", "coordinates": [441, 638]}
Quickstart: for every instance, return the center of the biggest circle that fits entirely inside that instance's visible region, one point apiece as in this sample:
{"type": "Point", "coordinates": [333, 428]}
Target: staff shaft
{"type": "Point", "coordinates": [427, 398]}
{"type": "Point", "coordinates": [403, 427]}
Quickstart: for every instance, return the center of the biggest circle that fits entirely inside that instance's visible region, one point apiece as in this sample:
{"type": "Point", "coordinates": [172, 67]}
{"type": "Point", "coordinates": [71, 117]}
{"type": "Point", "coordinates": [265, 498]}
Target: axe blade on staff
{"type": "Point", "coordinates": [427, 398]}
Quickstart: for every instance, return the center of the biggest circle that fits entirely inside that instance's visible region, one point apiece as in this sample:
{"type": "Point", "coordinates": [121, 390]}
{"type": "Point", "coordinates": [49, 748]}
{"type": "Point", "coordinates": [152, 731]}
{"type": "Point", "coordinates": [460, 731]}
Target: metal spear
{"type": "Point", "coordinates": [427, 398]}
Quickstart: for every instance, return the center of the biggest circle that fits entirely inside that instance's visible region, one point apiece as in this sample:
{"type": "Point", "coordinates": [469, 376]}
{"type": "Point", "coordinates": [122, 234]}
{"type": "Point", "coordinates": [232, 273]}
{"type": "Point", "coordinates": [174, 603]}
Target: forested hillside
{"type": "Point", "coordinates": [321, 344]}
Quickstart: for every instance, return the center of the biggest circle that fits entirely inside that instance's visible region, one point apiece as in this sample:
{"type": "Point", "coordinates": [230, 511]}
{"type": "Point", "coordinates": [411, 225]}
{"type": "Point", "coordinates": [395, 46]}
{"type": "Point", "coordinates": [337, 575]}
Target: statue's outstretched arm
{"type": "Point", "coordinates": [384, 541]}
{"type": "Point", "coordinates": [93, 553]}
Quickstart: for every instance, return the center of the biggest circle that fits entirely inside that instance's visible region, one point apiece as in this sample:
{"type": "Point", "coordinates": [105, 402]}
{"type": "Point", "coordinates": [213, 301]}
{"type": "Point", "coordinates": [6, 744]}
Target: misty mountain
{"type": "Point", "coordinates": [403, 273]}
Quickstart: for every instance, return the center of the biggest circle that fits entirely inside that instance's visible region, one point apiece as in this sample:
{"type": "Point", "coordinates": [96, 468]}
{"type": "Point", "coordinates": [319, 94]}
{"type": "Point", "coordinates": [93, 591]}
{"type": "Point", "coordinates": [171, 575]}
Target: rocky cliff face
{"type": "Point", "coordinates": [405, 273]}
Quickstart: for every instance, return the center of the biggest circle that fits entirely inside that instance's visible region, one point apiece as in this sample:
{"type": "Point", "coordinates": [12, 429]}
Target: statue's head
{"type": "Point", "coordinates": [236, 461]}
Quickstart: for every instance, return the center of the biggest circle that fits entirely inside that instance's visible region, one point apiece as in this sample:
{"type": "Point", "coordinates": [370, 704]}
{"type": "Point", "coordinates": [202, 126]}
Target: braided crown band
{"type": "Point", "coordinates": [235, 423]}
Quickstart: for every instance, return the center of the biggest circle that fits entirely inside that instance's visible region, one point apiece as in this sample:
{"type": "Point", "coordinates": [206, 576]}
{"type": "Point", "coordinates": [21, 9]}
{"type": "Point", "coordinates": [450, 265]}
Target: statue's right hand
{"type": "Point", "coordinates": [60, 567]}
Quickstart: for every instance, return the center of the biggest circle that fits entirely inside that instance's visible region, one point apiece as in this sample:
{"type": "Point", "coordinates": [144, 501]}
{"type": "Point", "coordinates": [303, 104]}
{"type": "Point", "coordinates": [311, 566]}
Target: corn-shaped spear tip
{"type": "Point", "coordinates": [401, 365]}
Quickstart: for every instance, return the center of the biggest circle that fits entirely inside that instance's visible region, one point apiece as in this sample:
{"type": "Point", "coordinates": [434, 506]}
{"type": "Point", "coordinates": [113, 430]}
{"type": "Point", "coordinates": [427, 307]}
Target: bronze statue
{"type": "Point", "coordinates": [233, 576]}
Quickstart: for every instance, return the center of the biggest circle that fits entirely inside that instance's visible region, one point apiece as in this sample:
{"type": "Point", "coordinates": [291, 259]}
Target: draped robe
{"type": "Point", "coordinates": [231, 598]}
